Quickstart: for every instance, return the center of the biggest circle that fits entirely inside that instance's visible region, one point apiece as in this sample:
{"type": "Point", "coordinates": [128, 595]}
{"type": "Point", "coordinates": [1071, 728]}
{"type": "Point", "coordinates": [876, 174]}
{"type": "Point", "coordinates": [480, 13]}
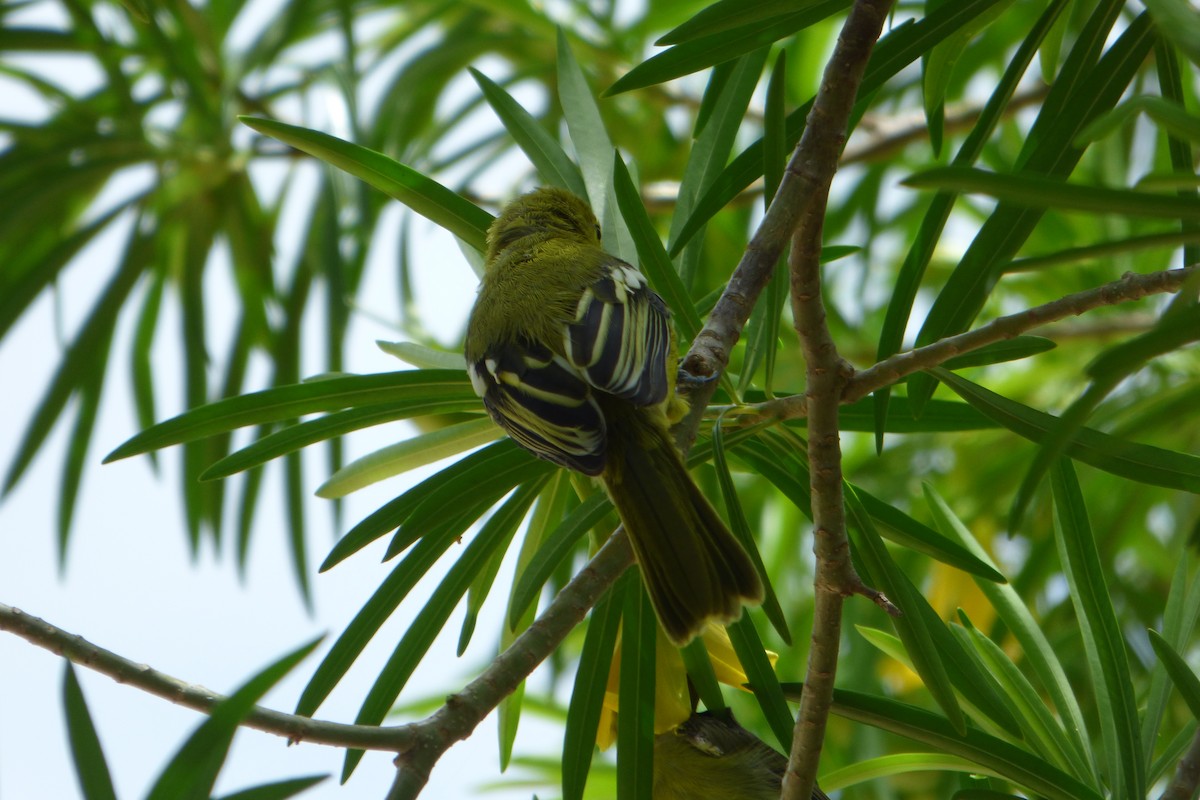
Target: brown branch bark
{"type": "Point", "coordinates": [1186, 780]}
{"type": "Point", "coordinates": [826, 376]}
{"type": "Point", "coordinates": [1126, 289]}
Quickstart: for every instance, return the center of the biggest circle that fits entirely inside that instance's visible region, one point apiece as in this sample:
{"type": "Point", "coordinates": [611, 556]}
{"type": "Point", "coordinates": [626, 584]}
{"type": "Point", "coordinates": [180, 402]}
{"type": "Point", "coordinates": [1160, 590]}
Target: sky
{"type": "Point", "coordinates": [130, 584]}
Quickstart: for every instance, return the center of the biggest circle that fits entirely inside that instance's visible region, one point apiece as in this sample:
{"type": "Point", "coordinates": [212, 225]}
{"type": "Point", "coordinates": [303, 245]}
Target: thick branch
{"type": "Point", "coordinates": [827, 374]}
{"type": "Point", "coordinates": [1186, 779]}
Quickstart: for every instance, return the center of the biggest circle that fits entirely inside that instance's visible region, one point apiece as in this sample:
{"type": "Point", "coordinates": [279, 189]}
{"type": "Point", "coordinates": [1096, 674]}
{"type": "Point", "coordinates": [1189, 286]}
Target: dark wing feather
{"type": "Point", "coordinates": [542, 402]}
{"type": "Point", "coordinates": [621, 336]}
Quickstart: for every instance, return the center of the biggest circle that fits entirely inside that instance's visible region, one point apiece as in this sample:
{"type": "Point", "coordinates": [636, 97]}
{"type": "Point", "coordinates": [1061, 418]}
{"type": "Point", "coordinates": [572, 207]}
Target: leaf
{"type": "Point", "coordinates": [635, 718]}
{"type": "Point", "coordinates": [593, 148]}
{"type": "Point", "coordinates": [726, 15]}
{"type": "Point", "coordinates": [507, 519]}
{"type": "Point", "coordinates": [1177, 21]}
{"type": "Point", "coordinates": [762, 679]}
{"type": "Point", "coordinates": [1049, 151]}
{"type": "Point", "coordinates": [1011, 609]}
{"type": "Point", "coordinates": [591, 681]}
{"type": "Point", "coordinates": [423, 195]}
{"type": "Point", "coordinates": [1032, 191]}
{"type": "Point", "coordinates": [1007, 760]}
{"type": "Point", "coordinates": [408, 455]}
{"type": "Point", "coordinates": [552, 164]}
{"type": "Point", "coordinates": [423, 357]}
{"type": "Point", "coordinates": [191, 773]}
{"type": "Point", "coordinates": [1108, 662]}
{"type": "Point", "coordinates": [903, 45]}
{"type": "Point", "coordinates": [741, 530]}
{"type": "Point", "coordinates": [554, 549]}
{"type": "Point", "coordinates": [430, 620]}
{"type": "Point", "coordinates": [1013, 349]}
{"type": "Point", "coordinates": [1138, 462]}
{"type": "Point", "coordinates": [280, 790]}
{"type": "Point", "coordinates": [699, 53]}
{"type": "Point", "coordinates": [914, 626]}
{"type": "Point", "coordinates": [912, 270]}
{"type": "Point", "coordinates": [296, 400]}
{"type": "Point", "coordinates": [1177, 668]}
{"type": "Point", "coordinates": [87, 756]}
{"type": "Point", "coordinates": [652, 256]}
{"type": "Point", "coordinates": [1107, 371]}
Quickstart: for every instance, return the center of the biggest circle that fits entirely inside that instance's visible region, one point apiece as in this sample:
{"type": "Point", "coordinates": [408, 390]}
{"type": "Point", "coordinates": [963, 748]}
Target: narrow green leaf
{"type": "Point", "coordinates": [430, 620]}
{"type": "Point", "coordinates": [296, 400]}
{"type": "Point", "coordinates": [1032, 191]}
{"type": "Point", "coordinates": [726, 15]}
{"type": "Point", "coordinates": [87, 347]}
{"type": "Point", "coordinates": [191, 773]}
{"type": "Point", "coordinates": [90, 390]}
{"type": "Point", "coordinates": [552, 164]}
{"type": "Point", "coordinates": [651, 255]}
{"type": "Point", "coordinates": [912, 271]}
{"type": "Point", "coordinates": [423, 357]}
{"type": "Point", "coordinates": [1107, 372]}
{"type": "Point", "coordinates": [635, 716]}
{"type": "Point", "coordinates": [1177, 21]}
{"type": "Point", "coordinates": [327, 428]}
{"type": "Point", "coordinates": [903, 45]}
{"type": "Point", "coordinates": [762, 679]}
{"type": "Point", "coordinates": [87, 756]}
{"type": "Point", "coordinates": [423, 195]}
{"type": "Point", "coordinates": [741, 529]}
{"type": "Point", "coordinates": [703, 52]}
{"type": "Point", "coordinates": [1014, 349]}
{"type": "Point", "coordinates": [593, 148]}
{"type": "Point", "coordinates": [1103, 250]}
{"type": "Point", "coordinates": [1011, 609]}
{"type": "Point", "coordinates": [557, 545]}
{"type": "Point", "coordinates": [1007, 760]}
{"type": "Point", "coordinates": [1108, 661]}
{"type": "Point", "coordinates": [1181, 674]}
{"type": "Point", "coordinates": [591, 682]}
{"type": "Point", "coordinates": [1050, 152]}
{"type": "Point", "coordinates": [409, 454]}
{"type": "Point", "coordinates": [279, 790]}
{"type": "Point", "coordinates": [1138, 462]}
{"type": "Point", "coordinates": [1038, 726]}
{"type": "Point", "coordinates": [1178, 622]}
{"type": "Point", "coordinates": [915, 627]}
{"type": "Point", "coordinates": [506, 520]}
{"type": "Point", "coordinates": [701, 675]}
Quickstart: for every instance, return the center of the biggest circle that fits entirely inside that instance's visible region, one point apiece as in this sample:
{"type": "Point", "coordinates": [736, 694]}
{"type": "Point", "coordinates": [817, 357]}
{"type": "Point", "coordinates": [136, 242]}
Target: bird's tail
{"type": "Point", "coordinates": [693, 567]}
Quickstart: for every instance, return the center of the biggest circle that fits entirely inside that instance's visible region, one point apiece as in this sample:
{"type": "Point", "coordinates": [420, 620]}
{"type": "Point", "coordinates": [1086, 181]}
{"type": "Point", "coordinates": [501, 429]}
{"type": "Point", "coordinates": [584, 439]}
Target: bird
{"type": "Point", "coordinates": [573, 356]}
{"type": "Point", "coordinates": [711, 757]}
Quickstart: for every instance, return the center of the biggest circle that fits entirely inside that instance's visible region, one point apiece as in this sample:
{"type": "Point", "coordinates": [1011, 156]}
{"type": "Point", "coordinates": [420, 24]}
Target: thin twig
{"type": "Point", "coordinates": [294, 728]}
{"type": "Point", "coordinates": [827, 374]}
{"type": "Point", "coordinates": [1128, 288]}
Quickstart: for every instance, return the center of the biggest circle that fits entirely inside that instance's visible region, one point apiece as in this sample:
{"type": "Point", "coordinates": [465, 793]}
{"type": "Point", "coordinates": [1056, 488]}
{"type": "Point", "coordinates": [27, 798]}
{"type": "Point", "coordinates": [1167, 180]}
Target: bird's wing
{"type": "Point", "coordinates": [621, 336]}
{"type": "Point", "coordinates": [543, 402]}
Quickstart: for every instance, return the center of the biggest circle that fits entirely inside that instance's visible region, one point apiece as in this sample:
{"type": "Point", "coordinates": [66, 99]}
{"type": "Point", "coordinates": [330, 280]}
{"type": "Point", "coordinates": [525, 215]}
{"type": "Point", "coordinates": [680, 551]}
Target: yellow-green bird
{"type": "Point", "coordinates": [573, 356]}
{"type": "Point", "coordinates": [711, 757]}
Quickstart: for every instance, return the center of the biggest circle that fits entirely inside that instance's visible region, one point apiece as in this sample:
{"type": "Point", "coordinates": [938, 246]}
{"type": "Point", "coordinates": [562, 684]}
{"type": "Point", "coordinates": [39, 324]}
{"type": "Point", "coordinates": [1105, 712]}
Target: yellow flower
{"type": "Point", "coordinates": [672, 702]}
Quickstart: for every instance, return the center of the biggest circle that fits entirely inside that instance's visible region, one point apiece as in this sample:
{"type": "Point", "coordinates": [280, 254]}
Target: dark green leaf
{"type": "Point", "coordinates": [91, 768]}
{"type": "Point", "coordinates": [1108, 661]}
{"type": "Point", "coordinates": [423, 195]}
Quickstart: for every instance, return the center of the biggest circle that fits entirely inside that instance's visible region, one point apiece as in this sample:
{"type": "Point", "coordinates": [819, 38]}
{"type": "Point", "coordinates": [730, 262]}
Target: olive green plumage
{"type": "Point", "coordinates": [572, 354]}
{"type": "Point", "coordinates": [712, 757]}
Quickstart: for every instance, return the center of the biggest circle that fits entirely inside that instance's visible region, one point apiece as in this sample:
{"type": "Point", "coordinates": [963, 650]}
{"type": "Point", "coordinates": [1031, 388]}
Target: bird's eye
{"type": "Point", "coordinates": [598, 237]}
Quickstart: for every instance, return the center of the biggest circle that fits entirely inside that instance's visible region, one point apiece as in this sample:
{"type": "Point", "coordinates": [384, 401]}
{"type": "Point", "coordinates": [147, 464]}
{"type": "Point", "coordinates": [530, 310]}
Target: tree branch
{"type": "Point", "coordinates": [1129, 287]}
{"type": "Point", "coordinates": [827, 374]}
{"type": "Point", "coordinates": [294, 728]}
{"type": "Point", "coordinates": [1187, 774]}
